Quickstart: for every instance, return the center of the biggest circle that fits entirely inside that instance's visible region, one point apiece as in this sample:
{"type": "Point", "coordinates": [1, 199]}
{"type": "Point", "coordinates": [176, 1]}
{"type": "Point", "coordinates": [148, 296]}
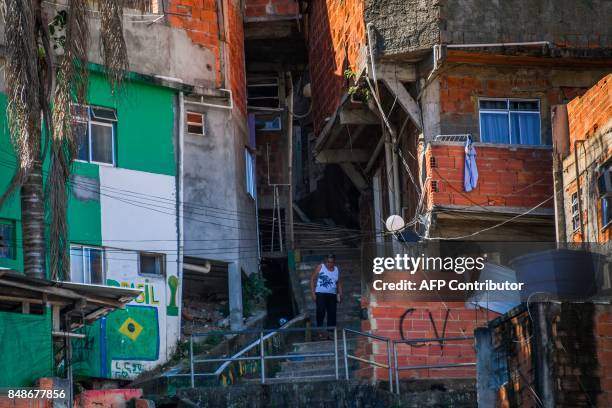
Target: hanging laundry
{"type": "Point", "coordinates": [470, 173]}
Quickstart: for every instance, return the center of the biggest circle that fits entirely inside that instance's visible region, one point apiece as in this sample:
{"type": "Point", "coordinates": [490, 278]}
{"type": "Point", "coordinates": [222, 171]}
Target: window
{"type": "Point", "coordinates": [95, 127]}
{"type": "Point", "coordinates": [86, 264]}
{"type": "Point", "coordinates": [263, 93]}
{"type": "Point", "coordinates": [150, 264]}
{"type": "Point", "coordinates": [510, 121]}
{"type": "Point", "coordinates": [250, 173]}
{"type": "Point", "coordinates": [606, 212]}
{"type": "Point", "coordinates": [195, 123]}
{"type": "Point", "coordinates": [575, 213]}
{"type": "Point", "coordinates": [7, 239]}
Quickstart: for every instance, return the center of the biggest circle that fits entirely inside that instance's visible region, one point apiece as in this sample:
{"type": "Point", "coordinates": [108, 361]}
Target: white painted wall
{"type": "Point", "coordinates": [138, 213]}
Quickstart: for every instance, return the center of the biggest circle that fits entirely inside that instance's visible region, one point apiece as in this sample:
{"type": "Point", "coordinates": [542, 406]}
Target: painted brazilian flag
{"type": "Point", "coordinates": [133, 334]}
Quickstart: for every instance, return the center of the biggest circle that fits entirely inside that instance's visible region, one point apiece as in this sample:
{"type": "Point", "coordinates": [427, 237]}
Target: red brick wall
{"type": "Point", "coordinates": [235, 41]}
{"type": "Point", "coordinates": [603, 338]}
{"type": "Point", "coordinates": [591, 111]}
{"type": "Point", "coordinates": [386, 319]}
{"type": "Point", "coordinates": [507, 176]}
{"type": "Point", "coordinates": [336, 34]}
{"type": "Point", "coordinates": [271, 8]}
{"type": "Point", "coordinates": [590, 115]}
{"type": "Point", "coordinates": [200, 20]}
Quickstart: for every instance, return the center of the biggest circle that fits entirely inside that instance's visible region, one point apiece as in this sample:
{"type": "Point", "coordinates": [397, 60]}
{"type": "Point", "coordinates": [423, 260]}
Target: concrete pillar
{"type": "Point", "coordinates": [235, 295]}
{"type": "Point", "coordinates": [485, 385]}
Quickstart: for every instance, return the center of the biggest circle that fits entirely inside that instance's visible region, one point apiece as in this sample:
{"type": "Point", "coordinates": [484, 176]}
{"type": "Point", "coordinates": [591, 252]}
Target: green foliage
{"type": "Point", "coordinates": [254, 291]}
{"type": "Point", "coordinates": [359, 91]}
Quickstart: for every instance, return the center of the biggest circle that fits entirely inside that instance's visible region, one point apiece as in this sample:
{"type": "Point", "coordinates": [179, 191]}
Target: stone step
{"type": "Point", "coordinates": [314, 372]}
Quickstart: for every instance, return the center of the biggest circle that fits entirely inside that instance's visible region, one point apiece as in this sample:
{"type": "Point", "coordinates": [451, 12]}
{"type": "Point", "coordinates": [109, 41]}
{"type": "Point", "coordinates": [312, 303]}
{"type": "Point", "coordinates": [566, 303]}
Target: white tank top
{"type": "Point", "coordinates": [326, 283]}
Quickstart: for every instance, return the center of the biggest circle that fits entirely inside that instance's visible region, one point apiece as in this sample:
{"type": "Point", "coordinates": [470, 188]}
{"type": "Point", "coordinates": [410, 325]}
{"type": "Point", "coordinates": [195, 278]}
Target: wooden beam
{"type": "Point", "coordinates": [405, 99]}
{"type": "Point", "coordinates": [343, 156]}
{"type": "Point", "coordinates": [357, 117]}
{"type": "Point", "coordinates": [401, 72]}
{"type": "Point", "coordinates": [355, 176]}
{"type": "Point", "coordinates": [61, 292]}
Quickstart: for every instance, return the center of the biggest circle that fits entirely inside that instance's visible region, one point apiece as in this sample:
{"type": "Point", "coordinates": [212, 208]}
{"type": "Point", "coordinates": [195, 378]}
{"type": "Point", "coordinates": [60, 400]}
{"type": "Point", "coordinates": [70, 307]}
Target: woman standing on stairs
{"type": "Point", "coordinates": [326, 290]}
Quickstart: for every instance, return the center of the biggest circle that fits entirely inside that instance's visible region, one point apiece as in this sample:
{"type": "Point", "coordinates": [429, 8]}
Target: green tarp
{"type": "Point", "coordinates": [26, 348]}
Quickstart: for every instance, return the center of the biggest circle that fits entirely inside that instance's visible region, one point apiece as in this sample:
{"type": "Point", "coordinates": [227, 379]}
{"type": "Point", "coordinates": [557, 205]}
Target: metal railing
{"type": "Point", "coordinates": [441, 340]}
{"type": "Point", "coordinates": [348, 356]}
{"type": "Point", "coordinates": [264, 335]}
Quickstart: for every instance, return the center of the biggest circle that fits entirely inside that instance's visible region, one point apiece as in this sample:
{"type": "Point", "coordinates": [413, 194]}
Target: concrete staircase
{"type": "Point", "coordinates": [315, 368]}
{"type": "Point", "coordinates": [348, 261]}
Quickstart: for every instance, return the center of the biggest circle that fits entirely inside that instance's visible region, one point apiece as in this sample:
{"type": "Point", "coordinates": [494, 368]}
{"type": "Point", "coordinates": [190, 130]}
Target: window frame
{"type": "Point", "coordinates": [249, 165]}
{"type": "Point", "coordinates": [608, 200]}
{"type": "Point", "coordinates": [162, 264]}
{"type": "Point", "coordinates": [508, 112]}
{"type": "Point", "coordinates": [89, 120]}
{"type": "Point", "coordinates": [103, 258]}
{"type": "Point", "coordinates": [575, 212]}
{"type": "Point", "coordinates": [12, 240]}
{"type": "Point", "coordinates": [200, 124]}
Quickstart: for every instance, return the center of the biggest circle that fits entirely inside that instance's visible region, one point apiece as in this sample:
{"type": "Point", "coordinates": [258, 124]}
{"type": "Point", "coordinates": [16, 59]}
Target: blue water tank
{"type": "Point", "coordinates": [562, 273]}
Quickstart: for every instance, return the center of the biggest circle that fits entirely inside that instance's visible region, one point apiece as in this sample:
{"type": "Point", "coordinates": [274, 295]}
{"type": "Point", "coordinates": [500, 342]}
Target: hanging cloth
{"type": "Point", "coordinates": [470, 173]}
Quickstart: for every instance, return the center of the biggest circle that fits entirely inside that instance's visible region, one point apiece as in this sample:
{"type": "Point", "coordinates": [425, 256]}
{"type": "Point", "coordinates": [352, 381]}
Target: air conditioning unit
{"type": "Point", "coordinates": [604, 181]}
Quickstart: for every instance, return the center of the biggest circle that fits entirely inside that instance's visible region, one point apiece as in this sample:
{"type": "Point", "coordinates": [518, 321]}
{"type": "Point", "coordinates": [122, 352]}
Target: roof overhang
{"type": "Point", "coordinates": [82, 303]}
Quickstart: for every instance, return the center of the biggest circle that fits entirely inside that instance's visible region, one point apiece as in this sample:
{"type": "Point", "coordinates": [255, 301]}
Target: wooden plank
{"type": "Point", "coordinates": [405, 99]}
{"type": "Point", "coordinates": [355, 176]}
{"type": "Point", "coordinates": [357, 117]}
{"type": "Point", "coordinates": [343, 156]}
{"type": "Point", "coordinates": [401, 72]}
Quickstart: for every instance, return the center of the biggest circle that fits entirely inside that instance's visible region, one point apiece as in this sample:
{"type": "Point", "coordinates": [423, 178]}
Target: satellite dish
{"type": "Point", "coordinates": [395, 223]}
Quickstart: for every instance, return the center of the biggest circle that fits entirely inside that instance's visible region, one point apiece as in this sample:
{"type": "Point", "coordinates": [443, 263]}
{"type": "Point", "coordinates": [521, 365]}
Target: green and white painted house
{"type": "Point", "coordinates": [124, 223]}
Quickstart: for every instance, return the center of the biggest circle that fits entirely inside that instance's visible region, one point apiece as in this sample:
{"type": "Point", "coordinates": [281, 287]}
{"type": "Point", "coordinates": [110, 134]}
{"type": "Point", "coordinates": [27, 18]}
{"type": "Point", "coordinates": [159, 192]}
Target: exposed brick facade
{"type": "Point", "coordinates": [507, 176]}
{"type": "Point", "coordinates": [202, 21]}
{"type": "Point", "coordinates": [590, 112]}
{"type": "Point", "coordinates": [392, 317]}
{"type": "Point", "coordinates": [578, 357]}
{"type": "Point", "coordinates": [590, 124]}
{"type": "Point", "coordinates": [271, 8]}
{"type": "Point", "coordinates": [336, 35]}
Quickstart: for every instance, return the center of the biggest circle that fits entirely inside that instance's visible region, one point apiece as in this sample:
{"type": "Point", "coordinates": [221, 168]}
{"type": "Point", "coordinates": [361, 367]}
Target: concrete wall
{"type": "Point", "coordinates": [414, 26]}
{"type": "Point", "coordinates": [219, 215]}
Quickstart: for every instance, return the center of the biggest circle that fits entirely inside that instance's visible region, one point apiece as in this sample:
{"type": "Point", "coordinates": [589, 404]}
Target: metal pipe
{"type": "Point", "coordinates": [179, 204]}
{"type": "Point", "coordinates": [389, 362]}
{"type": "Point", "coordinates": [501, 44]}
{"type": "Point", "coordinates": [336, 350]}
{"type": "Point", "coordinates": [397, 387]}
{"type": "Point", "coordinates": [578, 190]}
{"type": "Point", "coordinates": [191, 361]}
{"type": "Point", "coordinates": [303, 355]}
{"type": "Point", "coordinates": [289, 208]}
{"type": "Point", "coordinates": [371, 52]}
{"type": "Point", "coordinates": [365, 360]}
{"type": "Point", "coordinates": [435, 366]}
{"type": "Point", "coordinates": [370, 335]}
{"type": "Point", "coordinates": [346, 369]}
{"type": "Point", "coordinates": [262, 357]}
{"type": "Point", "coordinates": [212, 105]}
{"type": "Point", "coordinates": [432, 339]}
{"type": "Point", "coordinates": [68, 335]}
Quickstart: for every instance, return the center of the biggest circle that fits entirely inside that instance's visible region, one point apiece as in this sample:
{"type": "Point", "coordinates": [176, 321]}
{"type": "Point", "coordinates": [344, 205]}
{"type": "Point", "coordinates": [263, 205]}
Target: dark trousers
{"type": "Point", "coordinates": [326, 304]}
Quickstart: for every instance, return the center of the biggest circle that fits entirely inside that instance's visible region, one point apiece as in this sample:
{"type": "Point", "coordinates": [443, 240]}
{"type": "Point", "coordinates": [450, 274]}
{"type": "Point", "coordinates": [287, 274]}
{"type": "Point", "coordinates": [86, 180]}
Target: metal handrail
{"type": "Point", "coordinates": [398, 368]}
{"type": "Point", "coordinates": [262, 354]}
{"type": "Point", "coordinates": [348, 356]}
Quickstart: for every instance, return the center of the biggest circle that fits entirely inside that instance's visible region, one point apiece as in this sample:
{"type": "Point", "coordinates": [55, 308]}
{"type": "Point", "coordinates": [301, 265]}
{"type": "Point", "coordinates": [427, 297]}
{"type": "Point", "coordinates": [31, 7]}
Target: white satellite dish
{"type": "Point", "coordinates": [395, 223]}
